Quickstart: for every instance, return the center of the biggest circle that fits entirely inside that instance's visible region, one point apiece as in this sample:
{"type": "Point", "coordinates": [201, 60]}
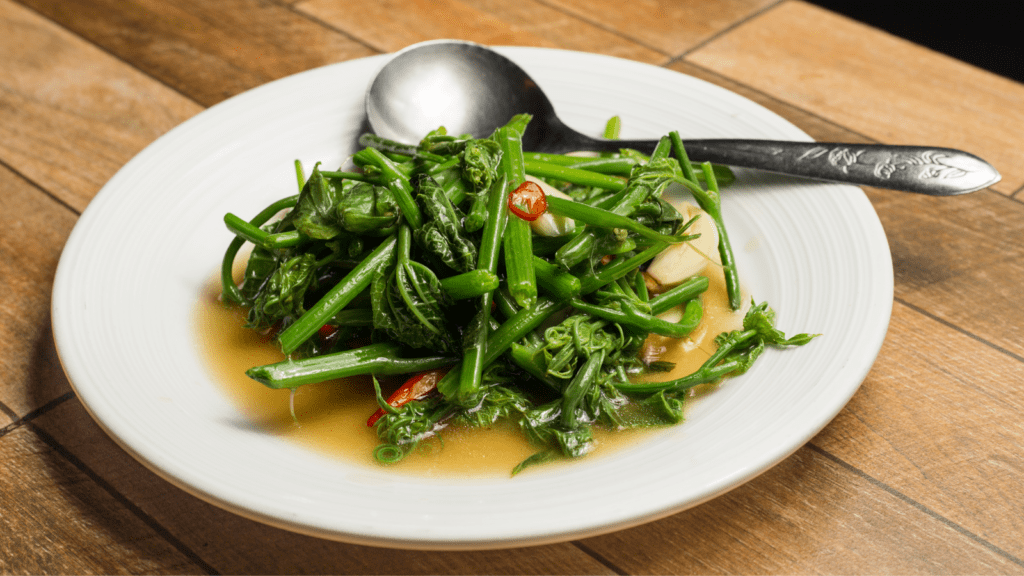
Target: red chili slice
{"type": "Point", "coordinates": [413, 389]}
{"type": "Point", "coordinates": [528, 201]}
{"type": "Point", "coordinates": [326, 331]}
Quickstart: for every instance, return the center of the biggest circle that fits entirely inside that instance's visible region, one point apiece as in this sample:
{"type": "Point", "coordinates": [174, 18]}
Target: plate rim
{"type": "Point", "coordinates": [95, 210]}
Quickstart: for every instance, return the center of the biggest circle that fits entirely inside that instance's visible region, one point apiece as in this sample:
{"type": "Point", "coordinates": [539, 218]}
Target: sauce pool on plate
{"type": "Point", "coordinates": [330, 417]}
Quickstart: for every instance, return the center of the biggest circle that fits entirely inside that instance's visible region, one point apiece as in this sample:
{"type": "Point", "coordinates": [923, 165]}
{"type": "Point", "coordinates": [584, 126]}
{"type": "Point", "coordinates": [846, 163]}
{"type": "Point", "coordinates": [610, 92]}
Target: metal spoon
{"type": "Point", "coordinates": [468, 88]}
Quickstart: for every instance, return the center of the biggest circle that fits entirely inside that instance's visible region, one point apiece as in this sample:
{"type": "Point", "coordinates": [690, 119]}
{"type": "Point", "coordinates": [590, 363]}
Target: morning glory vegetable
{"type": "Point", "coordinates": [422, 263]}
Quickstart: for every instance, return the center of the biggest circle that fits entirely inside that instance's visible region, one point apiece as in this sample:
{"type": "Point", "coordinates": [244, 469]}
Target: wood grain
{"type": "Point", "coordinates": [669, 26]}
{"type": "Point", "coordinates": [34, 228]}
{"type": "Point", "coordinates": [70, 114]}
{"type": "Point", "coordinates": [960, 259]}
{"type": "Point", "coordinates": [57, 520]}
{"type": "Point", "coordinates": [207, 51]}
{"type": "Point", "coordinates": [875, 84]}
{"type": "Point", "coordinates": [390, 26]}
{"type": "Point", "coordinates": [567, 30]}
{"type": "Point", "coordinates": [234, 545]}
{"type": "Point", "coordinates": [808, 515]}
{"type": "Point", "coordinates": [939, 420]}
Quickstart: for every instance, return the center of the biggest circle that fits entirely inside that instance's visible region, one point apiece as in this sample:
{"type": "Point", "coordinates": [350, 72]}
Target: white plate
{"type": "Point", "coordinates": [135, 264]}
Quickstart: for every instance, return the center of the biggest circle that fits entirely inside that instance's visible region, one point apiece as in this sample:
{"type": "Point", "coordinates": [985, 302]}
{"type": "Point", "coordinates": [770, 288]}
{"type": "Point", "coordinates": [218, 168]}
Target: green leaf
{"type": "Point", "coordinates": [541, 426]}
{"type": "Point", "coordinates": [666, 406]}
{"type": "Point", "coordinates": [367, 209]}
{"type": "Point", "coordinates": [284, 292]}
{"type": "Point", "coordinates": [315, 215]}
{"type": "Point", "coordinates": [535, 459]}
{"type": "Point", "coordinates": [761, 319]}
{"type": "Point", "coordinates": [480, 160]}
{"type": "Point", "coordinates": [261, 265]}
{"type": "Point", "coordinates": [442, 234]}
{"type": "Point", "coordinates": [409, 303]}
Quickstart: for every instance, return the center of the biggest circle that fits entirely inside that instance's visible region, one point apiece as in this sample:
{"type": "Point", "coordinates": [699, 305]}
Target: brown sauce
{"type": "Point", "coordinates": [330, 417]}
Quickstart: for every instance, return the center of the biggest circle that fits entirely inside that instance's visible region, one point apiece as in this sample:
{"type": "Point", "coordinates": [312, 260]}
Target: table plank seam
{"type": "Point", "coordinates": [135, 510]}
{"type": "Point", "coordinates": [782, 103]}
{"type": "Point", "coordinates": [960, 329]}
{"type": "Point", "coordinates": [41, 188]}
{"type": "Point", "coordinates": [598, 557]}
{"type": "Point", "coordinates": [105, 50]}
{"type": "Point", "coordinates": [327, 25]}
{"type": "Point", "coordinates": [603, 27]}
{"type": "Point", "coordinates": [915, 504]}
{"type": "Point", "coordinates": [724, 31]}
{"type": "Point", "coordinates": [10, 413]}
{"type": "Point", "coordinates": [21, 421]}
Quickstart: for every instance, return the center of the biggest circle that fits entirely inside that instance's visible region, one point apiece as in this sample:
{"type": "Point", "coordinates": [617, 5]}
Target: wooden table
{"type": "Point", "coordinates": [923, 471]}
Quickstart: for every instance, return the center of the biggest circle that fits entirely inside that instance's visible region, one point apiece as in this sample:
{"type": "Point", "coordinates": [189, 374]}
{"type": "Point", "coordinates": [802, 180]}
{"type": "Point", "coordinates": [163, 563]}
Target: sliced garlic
{"type": "Point", "coordinates": [687, 259]}
{"type": "Point", "coordinates": [548, 224]}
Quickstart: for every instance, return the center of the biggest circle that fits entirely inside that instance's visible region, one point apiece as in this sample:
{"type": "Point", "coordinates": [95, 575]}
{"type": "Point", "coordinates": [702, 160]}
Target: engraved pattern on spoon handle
{"type": "Point", "coordinates": [926, 170]}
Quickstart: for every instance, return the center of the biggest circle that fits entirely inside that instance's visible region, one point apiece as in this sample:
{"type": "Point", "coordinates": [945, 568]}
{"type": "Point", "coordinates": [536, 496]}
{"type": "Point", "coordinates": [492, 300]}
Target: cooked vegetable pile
{"type": "Point", "coordinates": [443, 263]}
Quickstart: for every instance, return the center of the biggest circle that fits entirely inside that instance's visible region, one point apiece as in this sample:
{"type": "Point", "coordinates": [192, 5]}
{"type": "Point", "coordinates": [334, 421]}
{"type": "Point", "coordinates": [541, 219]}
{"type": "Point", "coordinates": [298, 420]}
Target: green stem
{"type": "Point", "coordinates": [474, 344]}
{"type": "Point", "coordinates": [646, 322]}
{"type": "Point", "coordinates": [399, 184]}
{"type": "Point", "coordinates": [686, 291]}
{"type": "Point", "coordinates": [612, 128]}
{"type": "Point", "coordinates": [532, 360]}
{"type": "Point", "coordinates": [377, 359]}
{"type": "Point", "coordinates": [357, 280]}
{"type": "Point", "coordinates": [601, 218]}
{"type": "Point", "coordinates": [574, 175]}
{"type": "Point", "coordinates": [618, 268]}
{"type": "Point", "coordinates": [713, 369]}
{"type": "Point", "coordinates": [470, 284]}
{"type": "Point", "coordinates": [581, 383]}
{"type": "Point", "coordinates": [551, 279]}
{"type": "Point", "coordinates": [710, 201]}
{"type": "Point", "coordinates": [248, 232]}
{"type": "Point", "coordinates": [228, 286]}
{"type": "Point", "coordinates": [518, 238]}
{"type": "Point", "coordinates": [581, 247]}
{"type": "Point", "coordinates": [612, 166]}
{"type": "Point", "coordinates": [358, 176]}
{"type": "Point", "coordinates": [500, 340]}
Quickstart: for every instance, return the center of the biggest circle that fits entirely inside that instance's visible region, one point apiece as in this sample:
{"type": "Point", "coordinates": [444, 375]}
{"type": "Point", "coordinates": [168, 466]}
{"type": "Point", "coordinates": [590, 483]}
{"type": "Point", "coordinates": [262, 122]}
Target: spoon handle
{"type": "Point", "coordinates": [926, 170]}
{"type": "Point", "coordinates": [921, 169]}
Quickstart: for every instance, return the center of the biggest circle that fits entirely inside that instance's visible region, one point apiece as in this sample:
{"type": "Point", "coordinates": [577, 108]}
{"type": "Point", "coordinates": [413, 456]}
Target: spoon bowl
{"type": "Point", "coordinates": [471, 89]}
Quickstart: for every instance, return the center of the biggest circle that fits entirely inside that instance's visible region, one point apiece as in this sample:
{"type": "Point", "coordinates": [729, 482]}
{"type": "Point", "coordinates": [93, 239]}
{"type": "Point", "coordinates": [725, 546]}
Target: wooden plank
{"type": "Point", "coordinates": [57, 520]}
{"type": "Point", "coordinates": [205, 50]}
{"type": "Point", "coordinates": [566, 30]}
{"type": "Point", "coordinates": [889, 89]}
{"type": "Point", "coordinates": [234, 545]}
{"type": "Point", "coordinates": [389, 26]}
{"type": "Point", "coordinates": [808, 515]}
{"type": "Point", "coordinates": [669, 26]}
{"type": "Point", "coordinates": [34, 230]}
{"type": "Point", "coordinates": [939, 420]}
{"type": "Point", "coordinates": [959, 258]}
{"type": "Point", "coordinates": [71, 115]}
{"type": "Point", "coordinates": [815, 126]}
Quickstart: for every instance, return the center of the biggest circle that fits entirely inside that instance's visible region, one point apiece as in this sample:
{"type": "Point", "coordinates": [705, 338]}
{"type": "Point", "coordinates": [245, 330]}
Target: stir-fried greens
{"type": "Point", "coordinates": [423, 263]}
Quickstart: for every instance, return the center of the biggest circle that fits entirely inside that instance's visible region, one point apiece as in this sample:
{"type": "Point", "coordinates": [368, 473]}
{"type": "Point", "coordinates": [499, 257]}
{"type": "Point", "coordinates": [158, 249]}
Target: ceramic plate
{"type": "Point", "coordinates": [136, 263]}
